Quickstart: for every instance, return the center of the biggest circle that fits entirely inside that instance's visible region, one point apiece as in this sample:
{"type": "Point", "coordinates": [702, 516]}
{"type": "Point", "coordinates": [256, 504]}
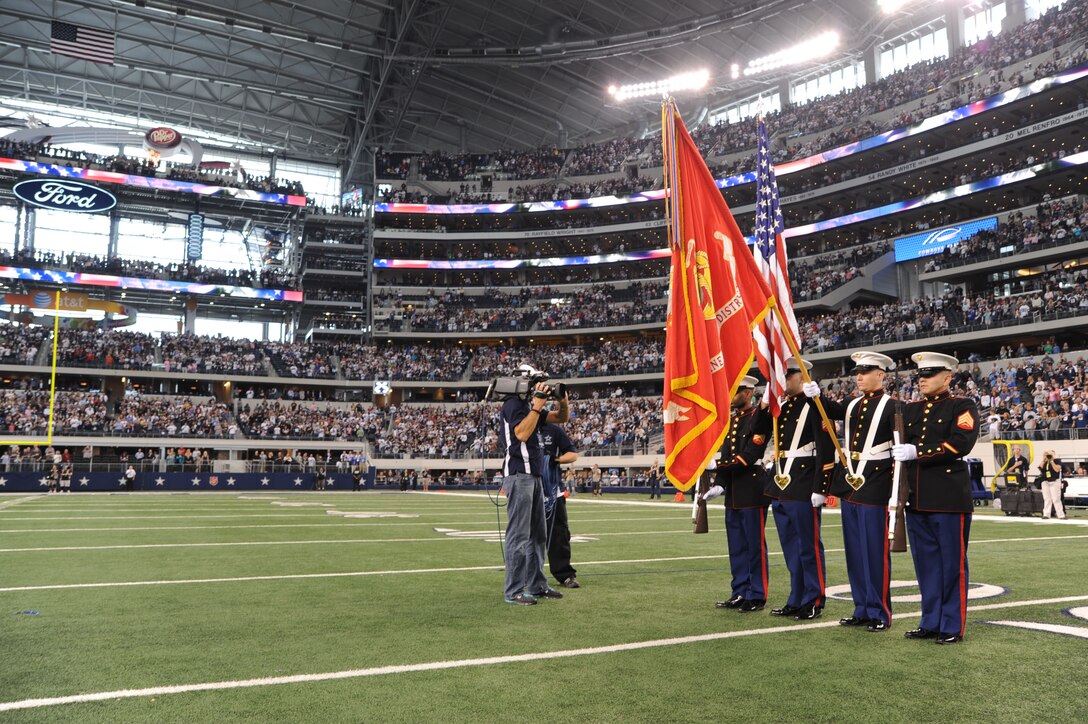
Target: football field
{"type": "Point", "coordinates": [387, 607]}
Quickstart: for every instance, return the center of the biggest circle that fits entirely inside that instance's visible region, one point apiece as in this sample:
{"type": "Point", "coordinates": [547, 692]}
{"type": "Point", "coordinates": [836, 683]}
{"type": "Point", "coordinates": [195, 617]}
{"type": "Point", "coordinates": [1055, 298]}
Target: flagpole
{"type": "Point", "coordinates": [828, 426]}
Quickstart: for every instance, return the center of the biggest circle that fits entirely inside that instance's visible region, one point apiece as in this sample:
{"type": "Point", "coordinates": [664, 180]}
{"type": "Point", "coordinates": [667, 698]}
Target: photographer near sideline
{"type": "Point", "coordinates": [523, 415]}
{"type": "Point", "coordinates": [558, 450]}
{"type": "Point", "coordinates": [1050, 479]}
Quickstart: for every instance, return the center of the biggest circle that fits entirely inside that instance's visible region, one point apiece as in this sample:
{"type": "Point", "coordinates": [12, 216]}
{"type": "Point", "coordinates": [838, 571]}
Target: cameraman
{"type": "Point", "coordinates": [1050, 478]}
{"type": "Point", "coordinates": [520, 424]}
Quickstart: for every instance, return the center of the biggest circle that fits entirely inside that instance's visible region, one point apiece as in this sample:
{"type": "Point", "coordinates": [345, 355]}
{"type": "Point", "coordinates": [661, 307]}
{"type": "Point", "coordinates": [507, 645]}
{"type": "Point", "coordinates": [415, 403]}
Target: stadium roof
{"type": "Point", "coordinates": [327, 79]}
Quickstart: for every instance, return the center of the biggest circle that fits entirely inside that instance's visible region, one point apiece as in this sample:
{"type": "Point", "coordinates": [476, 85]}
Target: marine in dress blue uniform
{"type": "Point", "coordinates": [864, 489]}
{"type": "Point", "coordinates": [742, 480]}
{"type": "Point", "coordinates": [940, 430]}
{"type": "Point", "coordinates": [799, 485]}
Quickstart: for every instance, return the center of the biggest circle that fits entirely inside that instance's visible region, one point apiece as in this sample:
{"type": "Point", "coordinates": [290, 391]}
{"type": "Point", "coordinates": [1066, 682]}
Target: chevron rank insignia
{"type": "Point", "coordinates": [759, 439]}
{"type": "Point", "coordinates": [966, 421]}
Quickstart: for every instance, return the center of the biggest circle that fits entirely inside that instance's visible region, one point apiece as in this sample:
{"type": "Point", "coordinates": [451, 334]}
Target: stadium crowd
{"type": "Point", "coordinates": [972, 73]}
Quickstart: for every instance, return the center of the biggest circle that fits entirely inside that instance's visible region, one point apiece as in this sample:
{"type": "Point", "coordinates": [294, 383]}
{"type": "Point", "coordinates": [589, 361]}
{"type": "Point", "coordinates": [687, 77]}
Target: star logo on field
{"type": "Point", "coordinates": [3, 482]}
{"type": "Point", "coordinates": [230, 482]}
{"type": "Point", "coordinates": [264, 482]}
{"type": "Point", "coordinates": [160, 481]}
{"type": "Point", "coordinates": [121, 481]}
{"type": "Point", "coordinates": [298, 482]}
{"type": "Point", "coordinates": [43, 482]}
{"type": "Point", "coordinates": [84, 482]}
{"type": "Point", "coordinates": [330, 481]}
{"type": "Point", "coordinates": [196, 482]}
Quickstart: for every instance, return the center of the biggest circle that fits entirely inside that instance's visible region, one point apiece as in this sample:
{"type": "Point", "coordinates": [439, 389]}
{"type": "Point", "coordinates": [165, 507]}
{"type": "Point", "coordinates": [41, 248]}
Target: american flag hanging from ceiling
{"type": "Point", "coordinates": [79, 41]}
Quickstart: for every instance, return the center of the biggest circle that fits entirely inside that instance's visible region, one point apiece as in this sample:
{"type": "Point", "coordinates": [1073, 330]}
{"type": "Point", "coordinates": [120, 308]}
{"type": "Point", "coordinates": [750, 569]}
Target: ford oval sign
{"type": "Point", "coordinates": [66, 195]}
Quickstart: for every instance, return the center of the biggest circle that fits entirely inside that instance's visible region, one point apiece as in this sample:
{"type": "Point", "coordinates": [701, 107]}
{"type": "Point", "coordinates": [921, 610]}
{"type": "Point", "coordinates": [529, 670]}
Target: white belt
{"type": "Point", "coordinates": [797, 454]}
{"type": "Point", "coordinates": [875, 456]}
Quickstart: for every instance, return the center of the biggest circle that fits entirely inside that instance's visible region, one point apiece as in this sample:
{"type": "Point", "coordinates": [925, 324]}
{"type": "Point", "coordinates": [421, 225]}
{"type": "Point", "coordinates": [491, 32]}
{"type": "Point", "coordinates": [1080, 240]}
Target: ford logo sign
{"type": "Point", "coordinates": [66, 195]}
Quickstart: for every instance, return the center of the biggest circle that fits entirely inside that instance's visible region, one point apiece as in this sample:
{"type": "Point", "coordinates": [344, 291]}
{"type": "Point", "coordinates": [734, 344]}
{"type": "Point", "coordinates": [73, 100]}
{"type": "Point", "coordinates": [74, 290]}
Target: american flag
{"type": "Point", "coordinates": [772, 349]}
{"type": "Point", "coordinates": [79, 41]}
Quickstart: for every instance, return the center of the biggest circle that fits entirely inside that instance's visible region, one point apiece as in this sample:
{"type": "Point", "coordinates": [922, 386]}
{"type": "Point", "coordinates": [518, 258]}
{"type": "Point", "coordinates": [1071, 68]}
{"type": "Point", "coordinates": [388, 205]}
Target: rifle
{"type": "Point", "coordinates": [897, 518]}
{"type": "Point", "coordinates": [698, 513]}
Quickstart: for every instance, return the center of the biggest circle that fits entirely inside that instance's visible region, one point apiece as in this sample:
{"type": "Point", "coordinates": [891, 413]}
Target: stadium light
{"type": "Point", "coordinates": [810, 49]}
{"type": "Point", "coordinates": [685, 81]}
{"type": "Point", "coordinates": [890, 6]}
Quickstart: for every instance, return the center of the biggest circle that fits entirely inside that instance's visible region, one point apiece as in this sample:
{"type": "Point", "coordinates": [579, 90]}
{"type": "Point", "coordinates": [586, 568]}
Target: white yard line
{"type": "Point", "coordinates": [410, 571]}
{"type": "Point", "coordinates": [17, 501]}
{"type": "Point", "coordinates": [429, 523]}
{"type": "Point", "coordinates": [461, 663]}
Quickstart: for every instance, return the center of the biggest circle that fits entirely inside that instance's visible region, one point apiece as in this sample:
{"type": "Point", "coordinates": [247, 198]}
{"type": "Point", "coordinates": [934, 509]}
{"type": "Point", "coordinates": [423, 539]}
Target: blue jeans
{"type": "Point", "coordinates": [526, 534]}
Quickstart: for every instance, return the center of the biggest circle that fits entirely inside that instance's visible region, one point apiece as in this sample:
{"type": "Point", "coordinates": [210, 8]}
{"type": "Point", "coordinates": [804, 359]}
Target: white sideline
{"type": "Point", "coordinates": [458, 663]}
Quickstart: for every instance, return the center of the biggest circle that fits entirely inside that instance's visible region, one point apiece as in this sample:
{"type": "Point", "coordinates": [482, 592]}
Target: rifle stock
{"type": "Point", "coordinates": [900, 491]}
{"type": "Point", "coordinates": [702, 524]}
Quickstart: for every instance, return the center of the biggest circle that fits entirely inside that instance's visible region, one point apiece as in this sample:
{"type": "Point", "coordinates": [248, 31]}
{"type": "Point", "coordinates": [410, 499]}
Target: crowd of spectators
{"type": "Point", "coordinates": [300, 359]}
{"type": "Point", "coordinates": [592, 308]}
{"type": "Point", "coordinates": [19, 345]}
{"type": "Point", "coordinates": [113, 349]}
{"type": "Point", "coordinates": [813, 277]}
{"type": "Point", "coordinates": [1060, 294]}
{"type": "Point", "coordinates": [307, 421]}
{"type": "Point", "coordinates": [146, 416]}
{"type": "Point", "coordinates": [441, 319]}
{"type": "Point", "coordinates": [211, 355]}
{"type": "Point", "coordinates": [26, 412]}
{"type": "Point", "coordinates": [971, 73]}
{"type": "Point", "coordinates": [1055, 223]}
{"type": "Point", "coordinates": [438, 363]}
{"type": "Point", "coordinates": [610, 357]}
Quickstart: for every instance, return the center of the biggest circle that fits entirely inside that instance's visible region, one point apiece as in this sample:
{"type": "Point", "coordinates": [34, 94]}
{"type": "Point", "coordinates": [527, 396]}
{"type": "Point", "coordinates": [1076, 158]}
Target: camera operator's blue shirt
{"type": "Point", "coordinates": [521, 457]}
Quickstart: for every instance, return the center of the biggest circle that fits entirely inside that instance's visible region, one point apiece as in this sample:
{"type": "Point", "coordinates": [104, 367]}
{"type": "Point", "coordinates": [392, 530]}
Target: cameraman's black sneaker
{"type": "Point", "coordinates": [546, 593]}
{"type": "Point", "coordinates": [571, 582]}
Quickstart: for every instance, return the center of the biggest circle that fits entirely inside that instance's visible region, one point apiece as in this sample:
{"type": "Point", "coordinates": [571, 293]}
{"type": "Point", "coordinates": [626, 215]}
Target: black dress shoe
{"type": "Point", "coordinates": [733, 602]}
{"type": "Point", "coordinates": [853, 621]}
{"type": "Point", "coordinates": [807, 613]}
{"type": "Point", "coordinates": [876, 626]}
{"type": "Point", "coordinates": [920, 633]}
{"type": "Point", "coordinates": [786, 610]}
{"type": "Point", "coordinates": [755, 604]}
{"type": "Point", "coordinates": [949, 638]}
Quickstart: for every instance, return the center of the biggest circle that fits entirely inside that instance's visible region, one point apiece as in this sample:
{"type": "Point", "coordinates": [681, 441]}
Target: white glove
{"type": "Point", "coordinates": [713, 464]}
{"type": "Point", "coordinates": [904, 452]}
{"type": "Point", "coordinates": [818, 500]}
{"type": "Point", "coordinates": [811, 389]}
{"type": "Point", "coordinates": [714, 492]}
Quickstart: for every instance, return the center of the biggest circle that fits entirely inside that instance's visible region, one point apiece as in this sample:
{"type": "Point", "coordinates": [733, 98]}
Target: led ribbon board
{"type": "Point", "coordinates": [158, 285]}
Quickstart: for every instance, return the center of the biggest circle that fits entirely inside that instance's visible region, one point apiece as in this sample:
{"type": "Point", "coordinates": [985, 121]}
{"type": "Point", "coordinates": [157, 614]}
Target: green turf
{"type": "Point", "coordinates": [111, 638]}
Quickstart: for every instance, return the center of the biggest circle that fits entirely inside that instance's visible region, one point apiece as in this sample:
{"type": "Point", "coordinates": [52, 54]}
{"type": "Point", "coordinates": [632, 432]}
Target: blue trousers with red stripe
{"type": "Point", "coordinates": [868, 559]}
{"type": "Point", "coordinates": [938, 543]}
{"type": "Point", "coordinates": [745, 532]}
{"type": "Point", "coordinates": [798, 526]}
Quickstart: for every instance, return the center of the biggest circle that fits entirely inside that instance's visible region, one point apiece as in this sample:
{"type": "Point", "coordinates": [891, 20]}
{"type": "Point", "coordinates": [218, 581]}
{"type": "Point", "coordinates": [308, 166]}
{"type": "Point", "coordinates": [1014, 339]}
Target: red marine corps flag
{"type": "Point", "coordinates": [716, 298]}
